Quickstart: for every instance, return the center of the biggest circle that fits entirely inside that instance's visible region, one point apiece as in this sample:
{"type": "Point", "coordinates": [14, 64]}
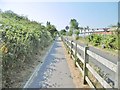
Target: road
{"type": "Point", "coordinates": [54, 72]}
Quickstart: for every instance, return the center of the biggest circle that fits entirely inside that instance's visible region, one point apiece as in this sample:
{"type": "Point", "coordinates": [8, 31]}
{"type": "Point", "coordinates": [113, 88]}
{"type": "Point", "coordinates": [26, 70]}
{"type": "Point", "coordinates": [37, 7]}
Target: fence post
{"type": "Point", "coordinates": [85, 61]}
{"type": "Point", "coordinates": [67, 46]}
{"type": "Point", "coordinates": [75, 53]}
{"type": "Point", "coordinates": [117, 76]}
{"type": "Point", "coordinates": [71, 48]}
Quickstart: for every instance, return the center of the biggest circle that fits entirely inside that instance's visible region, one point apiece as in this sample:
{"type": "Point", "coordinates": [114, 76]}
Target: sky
{"type": "Point", "coordinates": [92, 14]}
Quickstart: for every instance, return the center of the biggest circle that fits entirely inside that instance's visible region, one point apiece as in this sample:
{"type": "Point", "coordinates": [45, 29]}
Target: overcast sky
{"type": "Point", "coordinates": [92, 14]}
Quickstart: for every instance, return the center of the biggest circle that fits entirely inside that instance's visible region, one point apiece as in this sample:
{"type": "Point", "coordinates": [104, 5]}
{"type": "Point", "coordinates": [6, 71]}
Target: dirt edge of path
{"type": "Point", "coordinates": [75, 73]}
{"type": "Point", "coordinates": [39, 59]}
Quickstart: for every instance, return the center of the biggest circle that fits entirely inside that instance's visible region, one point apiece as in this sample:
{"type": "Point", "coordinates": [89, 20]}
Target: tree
{"type": "Point", "coordinates": [77, 32]}
{"type": "Point", "coordinates": [51, 28]}
{"type": "Point", "coordinates": [48, 23]}
{"type": "Point", "coordinates": [73, 26]}
{"type": "Point", "coordinates": [118, 24]}
{"type": "Point", "coordinates": [63, 32]}
{"type": "Point", "coordinates": [70, 33]}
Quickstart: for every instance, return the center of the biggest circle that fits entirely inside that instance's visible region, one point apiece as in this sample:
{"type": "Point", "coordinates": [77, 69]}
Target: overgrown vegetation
{"type": "Point", "coordinates": [108, 41]}
{"type": "Point", "coordinates": [21, 39]}
{"type": "Point", "coordinates": [105, 41]}
{"type": "Point", "coordinates": [63, 32]}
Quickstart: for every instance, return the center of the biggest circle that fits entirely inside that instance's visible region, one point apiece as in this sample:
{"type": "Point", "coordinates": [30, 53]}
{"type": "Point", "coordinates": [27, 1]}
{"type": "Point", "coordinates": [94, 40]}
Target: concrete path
{"type": "Point", "coordinates": [54, 72]}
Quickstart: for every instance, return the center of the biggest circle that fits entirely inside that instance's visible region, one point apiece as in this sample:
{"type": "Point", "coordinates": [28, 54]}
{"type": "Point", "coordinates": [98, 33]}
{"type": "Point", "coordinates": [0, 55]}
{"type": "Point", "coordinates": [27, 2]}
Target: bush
{"type": "Point", "coordinates": [21, 40]}
{"type": "Point", "coordinates": [106, 41]}
{"type": "Point", "coordinates": [77, 37]}
{"type": "Point", "coordinates": [70, 33]}
{"type": "Point", "coordinates": [95, 39]}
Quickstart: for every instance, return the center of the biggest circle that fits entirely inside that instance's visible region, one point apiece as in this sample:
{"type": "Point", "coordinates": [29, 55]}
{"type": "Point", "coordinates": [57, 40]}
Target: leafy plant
{"type": "Point", "coordinates": [21, 39]}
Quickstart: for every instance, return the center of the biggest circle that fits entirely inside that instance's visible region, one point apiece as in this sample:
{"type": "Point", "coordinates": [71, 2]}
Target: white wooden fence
{"type": "Point", "coordinates": [86, 66]}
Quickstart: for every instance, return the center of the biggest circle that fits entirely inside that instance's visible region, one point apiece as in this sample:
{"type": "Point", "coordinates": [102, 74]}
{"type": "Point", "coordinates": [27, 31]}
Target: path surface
{"type": "Point", "coordinates": [54, 72]}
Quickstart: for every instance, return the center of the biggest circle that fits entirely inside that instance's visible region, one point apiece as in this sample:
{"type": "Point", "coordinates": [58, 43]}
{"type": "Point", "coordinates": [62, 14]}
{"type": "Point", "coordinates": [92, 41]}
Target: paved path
{"type": "Point", "coordinates": [54, 72]}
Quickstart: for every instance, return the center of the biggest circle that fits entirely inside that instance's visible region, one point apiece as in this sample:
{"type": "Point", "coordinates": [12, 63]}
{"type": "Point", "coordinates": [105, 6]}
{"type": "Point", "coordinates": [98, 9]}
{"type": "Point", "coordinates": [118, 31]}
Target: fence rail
{"type": "Point", "coordinates": [73, 50]}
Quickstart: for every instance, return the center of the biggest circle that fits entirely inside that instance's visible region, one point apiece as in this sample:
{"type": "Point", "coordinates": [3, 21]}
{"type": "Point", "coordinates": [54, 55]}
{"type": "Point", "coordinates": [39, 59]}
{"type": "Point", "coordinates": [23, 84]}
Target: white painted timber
{"type": "Point", "coordinates": [73, 51]}
{"type": "Point", "coordinates": [79, 68]}
{"type": "Point", "coordinates": [98, 77]}
{"type": "Point", "coordinates": [80, 47]}
{"type": "Point", "coordinates": [81, 59]}
{"type": "Point", "coordinates": [73, 43]}
{"type": "Point", "coordinates": [89, 82]}
{"type": "Point", "coordinates": [102, 60]}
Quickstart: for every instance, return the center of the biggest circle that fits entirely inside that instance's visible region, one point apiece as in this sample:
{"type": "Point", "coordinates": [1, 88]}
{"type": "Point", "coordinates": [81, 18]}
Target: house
{"type": "Point", "coordinates": [107, 31]}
